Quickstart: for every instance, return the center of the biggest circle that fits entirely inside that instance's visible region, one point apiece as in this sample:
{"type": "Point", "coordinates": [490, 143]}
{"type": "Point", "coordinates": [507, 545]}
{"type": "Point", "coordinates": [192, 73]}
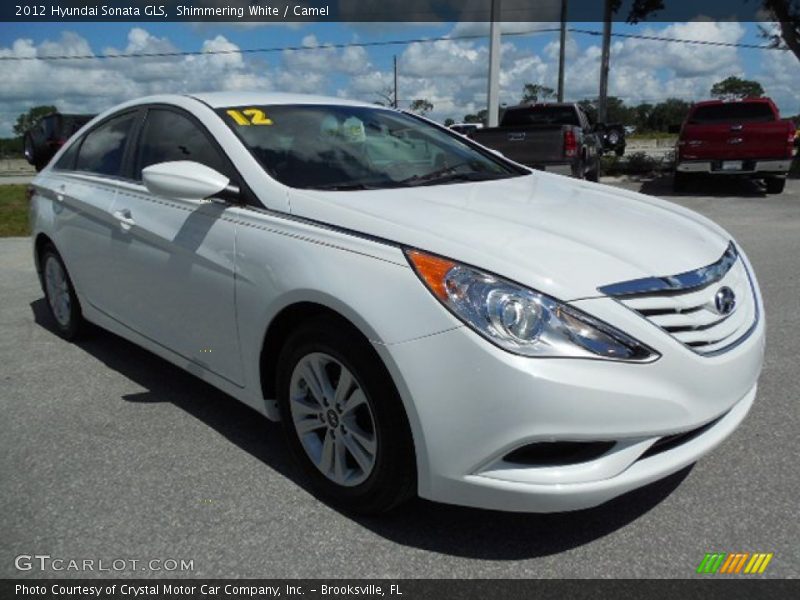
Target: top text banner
{"type": "Point", "coordinates": [276, 11]}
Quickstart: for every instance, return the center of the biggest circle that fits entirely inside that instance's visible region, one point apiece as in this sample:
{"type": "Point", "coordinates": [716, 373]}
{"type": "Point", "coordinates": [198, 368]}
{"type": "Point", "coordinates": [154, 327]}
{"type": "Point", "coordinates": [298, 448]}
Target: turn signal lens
{"type": "Point", "coordinates": [432, 270]}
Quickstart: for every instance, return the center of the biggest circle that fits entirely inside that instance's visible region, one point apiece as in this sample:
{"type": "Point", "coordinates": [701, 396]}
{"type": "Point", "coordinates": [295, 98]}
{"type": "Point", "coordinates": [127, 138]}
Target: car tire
{"type": "Point", "coordinates": [579, 171]}
{"type": "Point", "coordinates": [33, 151]}
{"type": "Point", "coordinates": [594, 174]}
{"type": "Point", "coordinates": [775, 185]}
{"type": "Point", "coordinates": [680, 181]}
{"type": "Point", "coordinates": [343, 418]}
{"type": "Point", "coordinates": [59, 293]}
{"type": "Point", "coordinates": [28, 148]}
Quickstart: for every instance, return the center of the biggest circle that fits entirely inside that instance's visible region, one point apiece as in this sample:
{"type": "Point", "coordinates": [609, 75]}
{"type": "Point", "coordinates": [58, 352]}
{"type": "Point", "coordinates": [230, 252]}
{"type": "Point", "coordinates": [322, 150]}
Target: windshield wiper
{"type": "Point", "coordinates": [456, 177]}
{"type": "Point", "coordinates": [344, 186]}
{"type": "Point", "coordinates": [414, 179]}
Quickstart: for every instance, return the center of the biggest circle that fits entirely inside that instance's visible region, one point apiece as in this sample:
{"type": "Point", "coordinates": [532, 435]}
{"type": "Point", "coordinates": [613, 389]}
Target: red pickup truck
{"type": "Point", "coordinates": [739, 137]}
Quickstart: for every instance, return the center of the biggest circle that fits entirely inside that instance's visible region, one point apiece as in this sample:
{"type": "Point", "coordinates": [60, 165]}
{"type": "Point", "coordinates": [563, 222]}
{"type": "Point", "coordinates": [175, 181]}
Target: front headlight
{"type": "Point", "coordinates": [519, 319]}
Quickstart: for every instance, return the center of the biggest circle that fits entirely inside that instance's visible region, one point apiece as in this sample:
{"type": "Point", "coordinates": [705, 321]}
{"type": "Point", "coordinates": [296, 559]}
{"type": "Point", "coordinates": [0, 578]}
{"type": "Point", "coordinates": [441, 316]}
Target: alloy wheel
{"type": "Point", "coordinates": [57, 286]}
{"type": "Point", "coordinates": [333, 419]}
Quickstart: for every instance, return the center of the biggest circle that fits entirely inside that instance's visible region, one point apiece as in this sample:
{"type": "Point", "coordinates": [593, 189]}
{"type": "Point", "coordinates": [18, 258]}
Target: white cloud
{"type": "Point", "coordinates": [321, 58]}
{"type": "Point", "coordinates": [88, 86]}
{"type": "Point", "coordinates": [450, 73]}
{"type": "Point", "coordinates": [781, 80]}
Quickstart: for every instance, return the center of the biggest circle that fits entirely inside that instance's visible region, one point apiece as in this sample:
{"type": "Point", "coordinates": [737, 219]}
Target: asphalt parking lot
{"type": "Point", "coordinates": [108, 452]}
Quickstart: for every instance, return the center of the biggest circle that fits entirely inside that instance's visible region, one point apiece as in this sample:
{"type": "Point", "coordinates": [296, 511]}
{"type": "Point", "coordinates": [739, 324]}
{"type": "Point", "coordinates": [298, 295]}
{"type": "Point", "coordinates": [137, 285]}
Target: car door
{"type": "Point", "coordinates": [176, 256]}
{"type": "Point", "coordinates": [83, 183]}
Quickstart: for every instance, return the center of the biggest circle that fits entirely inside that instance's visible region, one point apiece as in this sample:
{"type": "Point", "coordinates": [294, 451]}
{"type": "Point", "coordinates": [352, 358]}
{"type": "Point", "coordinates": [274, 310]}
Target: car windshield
{"type": "Point", "coordinates": [740, 112]}
{"type": "Point", "coordinates": [336, 147]}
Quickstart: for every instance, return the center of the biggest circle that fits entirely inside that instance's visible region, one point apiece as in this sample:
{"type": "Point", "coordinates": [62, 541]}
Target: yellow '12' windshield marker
{"type": "Point", "coordinates": [249, 116]}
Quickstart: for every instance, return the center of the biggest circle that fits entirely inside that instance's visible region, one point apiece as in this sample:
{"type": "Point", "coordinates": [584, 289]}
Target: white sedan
{"type": "Point", "coordinates": [423, 315]}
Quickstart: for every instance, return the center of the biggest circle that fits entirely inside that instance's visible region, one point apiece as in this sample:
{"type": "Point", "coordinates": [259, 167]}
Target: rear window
{"type": "Point", "coordinates": [739, 112]}
{"type": "Point", "coordinates": [541, 115]}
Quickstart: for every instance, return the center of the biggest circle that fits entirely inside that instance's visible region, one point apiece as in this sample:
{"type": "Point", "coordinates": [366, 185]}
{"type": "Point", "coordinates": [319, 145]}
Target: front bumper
{"type": "Point", "coordinates": [749, 167]}
{"type": "Point", "coordinates": [470, 404]}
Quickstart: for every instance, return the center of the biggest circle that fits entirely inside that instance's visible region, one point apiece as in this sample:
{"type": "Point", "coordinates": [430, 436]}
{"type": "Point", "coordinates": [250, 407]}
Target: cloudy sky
{"type": "Point", "coordinates": [450, 73]}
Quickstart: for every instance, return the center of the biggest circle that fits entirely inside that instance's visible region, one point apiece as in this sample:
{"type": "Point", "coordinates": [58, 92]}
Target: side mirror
{"type": "Point", "coordinates": [185, 179]}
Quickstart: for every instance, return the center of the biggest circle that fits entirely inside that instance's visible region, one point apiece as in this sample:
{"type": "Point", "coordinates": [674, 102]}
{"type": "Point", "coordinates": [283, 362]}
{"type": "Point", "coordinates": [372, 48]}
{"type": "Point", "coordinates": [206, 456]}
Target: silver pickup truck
{"type": "Point", "coordinates": [551, 137]}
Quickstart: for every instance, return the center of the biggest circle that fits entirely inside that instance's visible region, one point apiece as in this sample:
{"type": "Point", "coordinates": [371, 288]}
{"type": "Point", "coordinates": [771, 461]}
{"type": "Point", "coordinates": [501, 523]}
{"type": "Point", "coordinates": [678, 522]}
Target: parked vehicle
{"type": "Point", "coordinates": [466, 128]}
{"type": "Point", "coordinates": [448, 324]}
{"type": "Point", "coordinates": [549, 137]}
{"type": "Point", "coordinates": [43, 140]}
{"type": "Point", "coordinates": [745, 138]}
{"type": "Point", "coordinates": [613, 137]}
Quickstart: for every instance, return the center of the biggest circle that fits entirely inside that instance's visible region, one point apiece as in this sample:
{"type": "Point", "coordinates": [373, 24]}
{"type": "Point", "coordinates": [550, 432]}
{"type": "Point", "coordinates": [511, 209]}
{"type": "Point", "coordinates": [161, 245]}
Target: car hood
{"type": "Point", "coordinates": [560, 236]}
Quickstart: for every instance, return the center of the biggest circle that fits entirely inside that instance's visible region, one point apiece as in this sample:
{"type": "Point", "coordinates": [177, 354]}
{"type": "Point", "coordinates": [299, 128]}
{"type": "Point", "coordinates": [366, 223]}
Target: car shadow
{"type": "Point", "coordinates": [446, 529]}
{"type": "Point", "coordinates": [721, 187]}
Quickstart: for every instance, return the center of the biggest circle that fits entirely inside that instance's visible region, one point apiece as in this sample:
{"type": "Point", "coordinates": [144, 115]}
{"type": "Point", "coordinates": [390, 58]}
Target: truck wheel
{"type": "Point", "coordinates": [28, 147]}
{"type": "Point", "coordinates": [344, 419]}
{"type": "Point", "coordinates": [594, 174]}
{"type": "Point", "coordinates": [680, 181]}
{"type": "Point", "coordinates": [775, 185]}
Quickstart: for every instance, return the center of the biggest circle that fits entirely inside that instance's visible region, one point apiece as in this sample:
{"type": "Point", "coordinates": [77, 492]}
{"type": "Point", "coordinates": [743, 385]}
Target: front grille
{"type": "Point", "coordinates": [684, 305]}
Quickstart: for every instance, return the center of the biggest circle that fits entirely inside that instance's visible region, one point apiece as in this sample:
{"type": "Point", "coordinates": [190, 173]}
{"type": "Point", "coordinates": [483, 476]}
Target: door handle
{"type": "Point", "coordinates": [59, 195]}
{"type": "Point", "coordinates": [126, 221]}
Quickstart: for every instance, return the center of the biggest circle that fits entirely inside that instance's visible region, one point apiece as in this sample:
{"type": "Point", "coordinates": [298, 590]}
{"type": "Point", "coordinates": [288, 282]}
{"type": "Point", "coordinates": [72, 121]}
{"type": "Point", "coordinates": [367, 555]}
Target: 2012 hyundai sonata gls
{"type": "Point", "coordinates": [423, 315]}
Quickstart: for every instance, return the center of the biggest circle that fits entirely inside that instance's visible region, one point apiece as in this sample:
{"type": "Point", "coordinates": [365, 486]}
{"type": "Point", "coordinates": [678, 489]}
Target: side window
{"type": "Point", "coordinates": [169, 136]}
{"type": "Point", "coordinates": [67, 160]}
{"type": "Point", "coordinates": [103, 148]}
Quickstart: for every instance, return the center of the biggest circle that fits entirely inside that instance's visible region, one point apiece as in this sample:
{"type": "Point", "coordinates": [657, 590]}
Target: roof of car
{"type": "Point", "coordinates": [222, 99]}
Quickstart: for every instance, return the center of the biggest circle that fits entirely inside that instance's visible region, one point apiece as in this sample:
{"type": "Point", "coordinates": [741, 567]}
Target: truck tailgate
{"type": "Point", "coordinates": [530, 145]}
{"type": "Point", "coordinates": [735, 141]}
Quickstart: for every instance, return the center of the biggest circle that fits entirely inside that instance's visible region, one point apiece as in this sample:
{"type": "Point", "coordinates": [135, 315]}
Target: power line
{"type": "Point", "coordinates": [338, 46]}
{"type": "Point", "coordinates": [658, 38]}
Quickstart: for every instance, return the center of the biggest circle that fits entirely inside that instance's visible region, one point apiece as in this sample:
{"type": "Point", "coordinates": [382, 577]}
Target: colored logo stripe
{"type": "Point", "coordinates": [711, 562]}
{"type": "Point", "coordinates": [758, 564]}
{"type": "Point", "coordinates": [734, 563]}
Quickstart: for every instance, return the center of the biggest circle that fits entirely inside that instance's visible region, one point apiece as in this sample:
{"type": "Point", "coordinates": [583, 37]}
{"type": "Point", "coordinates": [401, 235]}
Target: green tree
{"type": "Point", "coordinates": [668, 114]}
{"type": "Point", "coordinates": [616, 110]}
{"type": "Point", "coordinates": [734, 87]}
{"type": "Point", "coordinates": [26, 120]}
{"type": "Point", "coordinates": [384, 96]}
{"type": "Point", "coordinates": [785, 13]}
{"type": "Point", "coordinates": [449, 121]}
{"type": "Point", "coordinates": [641, 115]}
{"type": "Point", "coordinates": [421, 106]}
{"type": "Point", "coordinates": [479, 117]}
{"type": "Point", "coordinates": [534, 92]}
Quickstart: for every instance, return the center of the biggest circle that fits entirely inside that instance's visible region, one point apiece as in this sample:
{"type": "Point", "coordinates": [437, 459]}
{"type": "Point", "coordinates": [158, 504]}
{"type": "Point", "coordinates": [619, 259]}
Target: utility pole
{"type": "Point", "coordinates": [561, 50]}
{"type": "Point", "coordinates": [394, 100]}
{"type": "Point", "coordinates": [494, 66]}
{"type": "Point", "coordinates": [602, 100]}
